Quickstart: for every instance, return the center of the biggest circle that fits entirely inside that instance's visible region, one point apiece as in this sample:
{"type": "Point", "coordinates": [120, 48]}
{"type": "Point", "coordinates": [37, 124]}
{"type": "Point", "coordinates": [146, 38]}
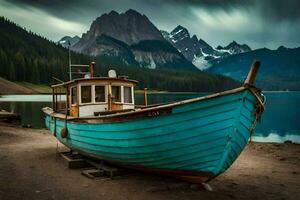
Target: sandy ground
{"type": "Point", "coordinates": [30, 168]}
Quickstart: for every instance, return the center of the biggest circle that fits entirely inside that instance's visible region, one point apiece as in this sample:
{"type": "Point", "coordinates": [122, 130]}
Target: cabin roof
{"type": "Point", "coordinates": [100, 79]}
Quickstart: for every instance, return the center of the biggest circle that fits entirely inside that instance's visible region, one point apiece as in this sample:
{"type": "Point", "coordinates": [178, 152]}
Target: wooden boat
{"type": "Point", "coordinates": [195, 139]}
{"type": "Point", "coordinates": [9, 117]}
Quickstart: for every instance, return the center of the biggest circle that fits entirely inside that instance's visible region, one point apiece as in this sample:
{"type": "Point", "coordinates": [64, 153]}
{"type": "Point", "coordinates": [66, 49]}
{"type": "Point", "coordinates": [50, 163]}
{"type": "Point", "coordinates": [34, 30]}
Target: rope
{"type": "Point", "coordinates": [259, 108]}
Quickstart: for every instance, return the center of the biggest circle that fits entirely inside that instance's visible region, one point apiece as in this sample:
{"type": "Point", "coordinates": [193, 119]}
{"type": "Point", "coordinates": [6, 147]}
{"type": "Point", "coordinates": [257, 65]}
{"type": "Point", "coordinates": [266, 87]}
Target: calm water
{"type": "Point", "coordinates": [280, 121]}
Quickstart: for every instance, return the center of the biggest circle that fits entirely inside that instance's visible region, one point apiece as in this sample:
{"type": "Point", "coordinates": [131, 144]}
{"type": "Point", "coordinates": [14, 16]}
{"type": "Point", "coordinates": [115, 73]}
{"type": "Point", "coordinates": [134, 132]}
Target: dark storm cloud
{"type": "Point", "coordinates": [63, 8]}
{"type": "Point", "coordinates": [271, 9]}
{"type": "Point", "coordinates": [281, 10]}
{"type": "Point", "coordinates": [54, 3]}
{"type": "Point", "coordinates": [59, 3]}
{"type": "Point", "coordinates": [211, 3]}
{"type": "Point", "coordinates": [256, 22]}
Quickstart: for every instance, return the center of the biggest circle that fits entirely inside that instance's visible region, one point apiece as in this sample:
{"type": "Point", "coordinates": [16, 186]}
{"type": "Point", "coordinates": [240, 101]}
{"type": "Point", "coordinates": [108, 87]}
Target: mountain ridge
{"type": "Point", "coordinates": [67, 41]}
{"type": "Point", "coordinates": [126, 28]}
{"type": "Point", "coordinates": [198, 51]}
{"type": "Point", "coordinates": [280, 68]}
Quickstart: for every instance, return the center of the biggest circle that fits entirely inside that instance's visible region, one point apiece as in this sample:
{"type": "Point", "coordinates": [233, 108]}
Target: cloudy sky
{"type": "Point", "coordinates": [259, 23]}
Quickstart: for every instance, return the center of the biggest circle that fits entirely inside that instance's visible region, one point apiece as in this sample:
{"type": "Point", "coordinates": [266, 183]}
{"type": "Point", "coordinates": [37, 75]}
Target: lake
{"type": "Point", "coordinates": [279, 122]}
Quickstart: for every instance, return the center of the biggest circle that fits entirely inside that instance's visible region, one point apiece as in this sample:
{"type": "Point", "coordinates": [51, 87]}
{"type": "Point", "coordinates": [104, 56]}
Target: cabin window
{"type": "Point", "coordinates": [127, 95]}
{"type": "Point", "coordinates": [73, 95]}
{"type": "Point", "coordinates": [86, 94]}
{"type": "Point", "coordinates": [116, 93]}
{"type": "Point", "coordinates": [99, 93]}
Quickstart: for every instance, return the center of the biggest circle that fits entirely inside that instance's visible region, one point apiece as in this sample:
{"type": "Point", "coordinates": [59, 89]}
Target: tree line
{"type": "Point", "coordinates": [26, 56]}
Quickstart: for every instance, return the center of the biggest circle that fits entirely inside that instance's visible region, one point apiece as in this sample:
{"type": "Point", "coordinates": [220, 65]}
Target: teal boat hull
{"type": "Point", "coordinates": [196, 140]}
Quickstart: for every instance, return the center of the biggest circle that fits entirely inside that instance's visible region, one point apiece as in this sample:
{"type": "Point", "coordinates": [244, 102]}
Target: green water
{"type": "Point", "coordinates": [279, 122]}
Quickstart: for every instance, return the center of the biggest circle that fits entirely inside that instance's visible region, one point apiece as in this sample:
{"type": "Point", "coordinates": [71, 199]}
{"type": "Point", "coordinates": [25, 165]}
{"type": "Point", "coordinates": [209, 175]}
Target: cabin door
{"type": "Point", "coordinates": [116, 103]}
{"type": "Point", "coordinates": [73, 102]}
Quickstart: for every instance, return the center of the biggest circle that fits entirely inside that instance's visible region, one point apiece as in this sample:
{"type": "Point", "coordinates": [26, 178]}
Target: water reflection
{"type": "Point", "coordinates": [30, 111]}
{"type": "Point", "coordinates": [282, 114]}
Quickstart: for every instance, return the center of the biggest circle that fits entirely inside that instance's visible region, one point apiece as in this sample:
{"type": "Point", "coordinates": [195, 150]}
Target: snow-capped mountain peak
{"type": "Point", "coordinates": [198, 51]}
{"type": "Point", "coordinates": [67, 40]}
{"type": "Point", "coordinates": [178, 34]}
{"type": "Point", "coordinates": [195, 50]}
{"type": "Point", "coordinates": [234, 48]}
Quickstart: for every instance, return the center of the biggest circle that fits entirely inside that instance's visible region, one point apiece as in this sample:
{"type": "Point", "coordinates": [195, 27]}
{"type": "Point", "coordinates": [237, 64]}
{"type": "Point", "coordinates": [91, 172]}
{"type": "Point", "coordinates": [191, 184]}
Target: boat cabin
{"type": "Point", "coordinates": [94, 96]}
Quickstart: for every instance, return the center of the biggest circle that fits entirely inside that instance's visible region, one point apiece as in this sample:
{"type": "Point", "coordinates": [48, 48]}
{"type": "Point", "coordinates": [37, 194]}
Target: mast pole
{"type": "Point", "coordinates": [70, 70]}
{"type": "Point", "coordinates": [145, 97]}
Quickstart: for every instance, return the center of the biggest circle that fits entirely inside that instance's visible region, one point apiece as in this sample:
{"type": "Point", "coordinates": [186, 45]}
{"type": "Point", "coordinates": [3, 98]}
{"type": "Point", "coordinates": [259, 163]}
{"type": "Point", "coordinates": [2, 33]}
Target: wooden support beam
{"type": "Point", "coordinates": [145, 97]}
{"type": "Point", "coordinates": [74, 160]}
{"type": "Point", "coordinates": [109, 97]}
{"type": "Point", "coordinates": [53, 100]}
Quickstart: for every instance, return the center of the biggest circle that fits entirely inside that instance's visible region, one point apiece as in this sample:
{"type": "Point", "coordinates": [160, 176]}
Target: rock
{"type": "Point", "coordinates": [282, 159]}
{"type": "Point", "coordinates": [194, 186]}
{"type": "Point", "coordinates": [288, 142]}
{"type": "Point", "coordinates": [207, 187]}
{"type": "Point", "coordinates": [85, 185]}
{"type": "Point", "coordinates": [26, 126]}
{"type": "Point", "coordinates": [231, 196]}
{"type": "Point", "coordinates": [234, 184]}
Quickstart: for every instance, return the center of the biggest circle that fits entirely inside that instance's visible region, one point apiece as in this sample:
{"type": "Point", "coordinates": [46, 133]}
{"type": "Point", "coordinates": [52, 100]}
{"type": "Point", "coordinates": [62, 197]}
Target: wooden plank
{"type": "Point", "coordinates": [149, 109]}
{"type": "Point", "coordinates": [93, 173]}
{"type": "Point", "coordinates": [74, 161]}
{"type": "Point", "coordinates": [108, 170]}
{"type": "Point", "coordinates": [252, 73]}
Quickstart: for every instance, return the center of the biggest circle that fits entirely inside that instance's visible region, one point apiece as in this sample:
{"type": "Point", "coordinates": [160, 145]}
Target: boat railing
{"type": "Point", "coordinates": [152, 105]}
{"type": "Point", "coordinates": [108, 112]}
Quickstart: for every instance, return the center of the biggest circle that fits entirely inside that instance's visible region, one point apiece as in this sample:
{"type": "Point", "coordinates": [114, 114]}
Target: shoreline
{"type": "Point", "coordinates": [148, 91]}
{"type": "Point", "coordinates": [31, 169]}
{"type": "Point", "coordinates": [26, 88]}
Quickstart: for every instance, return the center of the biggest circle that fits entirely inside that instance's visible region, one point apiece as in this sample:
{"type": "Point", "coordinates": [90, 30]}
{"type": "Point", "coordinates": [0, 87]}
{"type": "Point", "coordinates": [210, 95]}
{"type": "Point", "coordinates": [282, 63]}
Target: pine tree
{"type": "Point", "coordinates": [12, 74]}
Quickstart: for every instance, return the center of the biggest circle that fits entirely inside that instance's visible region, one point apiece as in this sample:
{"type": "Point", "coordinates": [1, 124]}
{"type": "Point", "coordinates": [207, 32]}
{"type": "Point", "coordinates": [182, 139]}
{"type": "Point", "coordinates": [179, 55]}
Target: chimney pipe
{"type": "Point", "coordinates": [92, 65]}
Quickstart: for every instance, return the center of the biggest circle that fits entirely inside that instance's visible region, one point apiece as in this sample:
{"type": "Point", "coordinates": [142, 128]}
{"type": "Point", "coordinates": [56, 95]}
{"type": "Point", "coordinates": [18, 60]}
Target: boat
{"type": "Point", "coordinates": [9, 117]}
{"type": "Point", "coordinates": [195, 139]}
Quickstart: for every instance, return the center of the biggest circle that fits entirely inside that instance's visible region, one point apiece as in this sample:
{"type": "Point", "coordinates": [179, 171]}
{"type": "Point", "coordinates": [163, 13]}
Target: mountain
{"type": "Point", "coordinates": [28, 57]}
{"type": "Point", "coordinates": [130, 27]}
{"type": "Point", "coordinates": [234, 48]}
{"type": "Point", "coordinates": [130, 38]}
{"type": "Point", "coordinates": [280, 68]}
{"type": "Point", "coordinates": [197, 51]}
{"type": "Point", "coordinates": [67, 40]}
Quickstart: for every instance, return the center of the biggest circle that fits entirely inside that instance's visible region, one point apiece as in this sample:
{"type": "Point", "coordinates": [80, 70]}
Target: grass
{"type": "Point", "coordinates": [40, 88]}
